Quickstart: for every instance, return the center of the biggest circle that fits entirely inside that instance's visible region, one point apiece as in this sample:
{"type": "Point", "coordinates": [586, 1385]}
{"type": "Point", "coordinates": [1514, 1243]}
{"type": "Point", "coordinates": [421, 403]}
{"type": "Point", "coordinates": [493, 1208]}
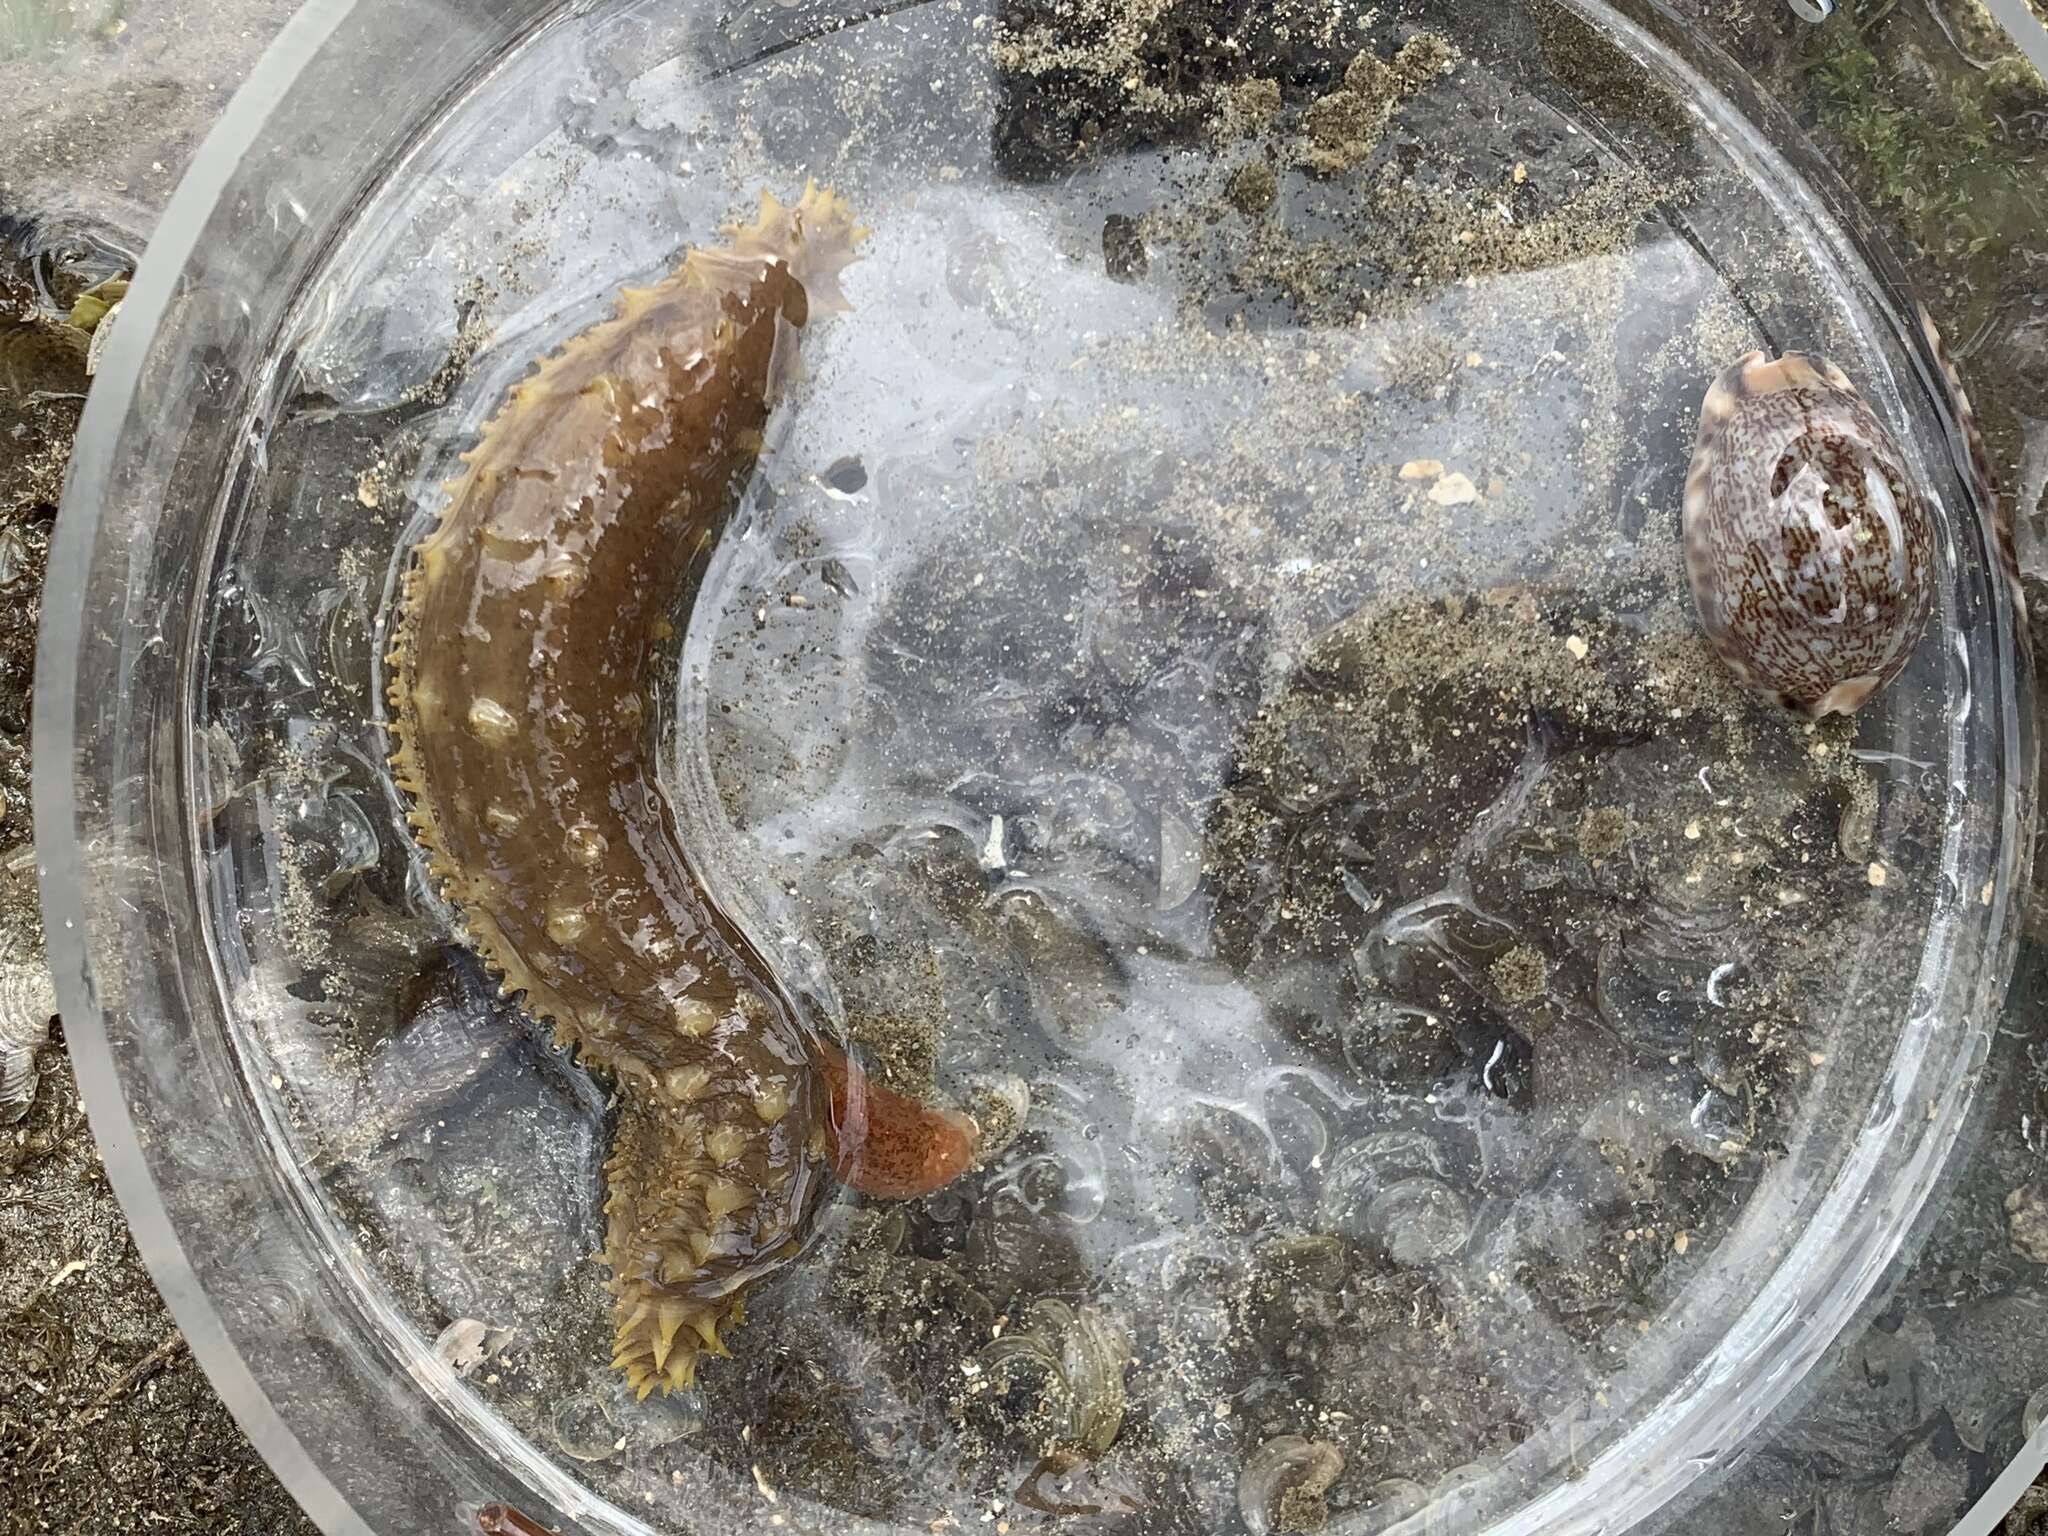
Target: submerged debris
{"type": "Point", "coordinates": [1283, 1483]}
{"type": "Point", "coordinates": [1347, 125]}
{"type": "Point", "coordinates": [1071, 1361]}
{"type": "Point", "coordinates": [2026, 1222]}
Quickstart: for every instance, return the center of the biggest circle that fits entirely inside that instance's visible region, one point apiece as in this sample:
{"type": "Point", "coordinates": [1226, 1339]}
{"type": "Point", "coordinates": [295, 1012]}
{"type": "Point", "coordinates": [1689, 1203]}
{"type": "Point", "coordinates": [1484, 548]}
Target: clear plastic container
{"type": "Point", "coordinates": [1205, 661]}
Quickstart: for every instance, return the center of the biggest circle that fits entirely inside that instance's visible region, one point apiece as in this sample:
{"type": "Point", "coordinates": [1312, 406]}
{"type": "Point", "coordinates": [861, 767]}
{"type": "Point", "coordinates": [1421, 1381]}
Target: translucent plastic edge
{"type": "Point", "coordinates": [518, 1470]}
{"type": "Point", "coordinates": [2025, 30]}
{"type": "Point", "coordinates": [2003, 1496]}
{"type": "Point", "coordinates": [54, 797]}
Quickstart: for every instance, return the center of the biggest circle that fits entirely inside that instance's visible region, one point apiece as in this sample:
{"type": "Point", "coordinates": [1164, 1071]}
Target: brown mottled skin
{"type": "Point", "coordinates": [529, 625]}
{"type": "Point", "coordinates": [1810, 549]}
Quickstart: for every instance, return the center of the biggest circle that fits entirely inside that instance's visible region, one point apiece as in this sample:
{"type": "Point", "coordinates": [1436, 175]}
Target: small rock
{"type": "Point", "coordinates": [1123, 248]}
{"type": "Point", "coordinates": [1521, 975]}
{"type": "Point", "coordinates": [1603, 831]}
{"type": "Point", "coordinates": [846, 475]}
{"type": "Point", "coordinates": [1454, 490]}
{"type": "Point", "coordinates": [1000, 1105]}
{"type": "Point", "coordinates": [16, 561]}
{"type": "Point", "coordinates": [1926, 1489]}
{"type": "Point", "coordinates": [1246, 108]}
{"type": "Point", "coordinates": [2026, 1222]}
{"type": "Point", "coordinates": [461, 1345]}
{"type": "Point", "coordinates": [1252, 188]}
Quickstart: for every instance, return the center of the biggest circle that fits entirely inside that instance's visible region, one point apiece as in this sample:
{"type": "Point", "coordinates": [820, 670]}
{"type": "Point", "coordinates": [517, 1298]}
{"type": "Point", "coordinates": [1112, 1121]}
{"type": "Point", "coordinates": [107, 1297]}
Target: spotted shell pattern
{"type": "Point", "coordinates": [1810, 548]}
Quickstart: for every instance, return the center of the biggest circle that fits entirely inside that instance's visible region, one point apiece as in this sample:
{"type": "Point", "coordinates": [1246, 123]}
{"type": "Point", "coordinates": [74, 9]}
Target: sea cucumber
{"type": "Point", "coordinates": [529, 623]}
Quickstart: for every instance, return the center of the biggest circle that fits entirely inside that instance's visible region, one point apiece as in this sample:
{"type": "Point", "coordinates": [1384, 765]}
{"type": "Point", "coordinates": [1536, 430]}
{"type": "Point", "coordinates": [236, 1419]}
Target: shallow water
{"type": "Point", "coordinates": [1216, 670]}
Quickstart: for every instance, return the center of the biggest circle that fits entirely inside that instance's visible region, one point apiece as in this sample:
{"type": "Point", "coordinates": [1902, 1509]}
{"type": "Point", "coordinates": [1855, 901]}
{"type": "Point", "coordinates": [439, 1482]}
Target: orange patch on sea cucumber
{"type": "Point", "coordinates": [885, 1144]}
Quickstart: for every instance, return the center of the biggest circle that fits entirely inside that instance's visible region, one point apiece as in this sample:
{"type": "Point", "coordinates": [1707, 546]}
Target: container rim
{"type": "Point", "coordinates": [54, 789]}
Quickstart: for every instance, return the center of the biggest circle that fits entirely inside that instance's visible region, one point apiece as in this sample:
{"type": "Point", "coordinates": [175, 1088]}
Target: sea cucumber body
{"type": "Point", "coordinates": [529, 624]}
